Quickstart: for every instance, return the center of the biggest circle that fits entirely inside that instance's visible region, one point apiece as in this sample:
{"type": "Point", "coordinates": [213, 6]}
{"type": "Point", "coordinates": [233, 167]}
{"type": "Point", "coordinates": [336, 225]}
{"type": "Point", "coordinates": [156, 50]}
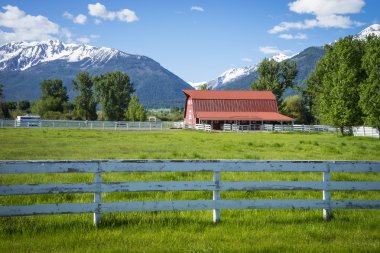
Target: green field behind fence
{"type": "Point", "coordinates": [190, 231]}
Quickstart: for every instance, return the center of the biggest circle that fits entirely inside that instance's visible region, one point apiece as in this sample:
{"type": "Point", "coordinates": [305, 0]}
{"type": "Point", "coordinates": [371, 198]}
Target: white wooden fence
{"type": "Point", "coordinates": [83, 124]}
{"type": "Point", "coordinates": [366, 131]}
{"type": "Point", "coordinates": [216, 185]}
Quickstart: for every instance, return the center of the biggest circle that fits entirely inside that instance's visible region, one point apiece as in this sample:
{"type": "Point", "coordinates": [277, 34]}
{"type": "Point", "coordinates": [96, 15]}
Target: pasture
{"type": "Point", "coordinates": [190, 231]}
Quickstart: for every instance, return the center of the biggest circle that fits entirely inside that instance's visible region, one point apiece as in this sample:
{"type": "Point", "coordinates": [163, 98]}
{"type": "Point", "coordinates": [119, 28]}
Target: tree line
{"type": "Point", "coordinates": [342, 91]}
{"type": "Point", "coordinates": [112, 90]}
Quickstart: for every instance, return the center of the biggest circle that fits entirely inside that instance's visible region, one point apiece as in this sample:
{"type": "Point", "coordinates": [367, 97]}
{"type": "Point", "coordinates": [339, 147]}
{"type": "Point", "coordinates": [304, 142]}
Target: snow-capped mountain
{"type": "Point", "coordinates": [372, 29]}
{"type": "Point", "coordinates": [196, 85]}
{"type": "Point", "coordinates": [280, 57]}
{"type": "Point", "coordinates": [236, 73]}
{"type": "Point", "coordinates": [24, 65]}
{"type": "Point", "coordinates": [23, 55]}
{"type": "Point", "coordinates": [229, 76]}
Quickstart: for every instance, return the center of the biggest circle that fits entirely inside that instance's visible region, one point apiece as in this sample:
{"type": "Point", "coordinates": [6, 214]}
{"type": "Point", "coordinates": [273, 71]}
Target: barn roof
{"type": "Point", "coordinates": [255, 116]}
{"type": "Point", "coordinates": [230, 94]}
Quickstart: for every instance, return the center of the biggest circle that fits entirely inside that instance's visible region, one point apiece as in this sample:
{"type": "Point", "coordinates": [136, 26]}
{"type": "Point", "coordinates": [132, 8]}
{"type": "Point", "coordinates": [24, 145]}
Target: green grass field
{"type": "Point", "coordinates": [191, 231]}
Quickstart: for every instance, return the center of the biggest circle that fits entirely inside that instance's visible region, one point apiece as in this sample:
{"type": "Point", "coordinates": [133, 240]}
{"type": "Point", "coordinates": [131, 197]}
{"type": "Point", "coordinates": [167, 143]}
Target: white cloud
{"type": "Point", "coordinates": [100, 11]}
{"type": "Point", "coordinates": [80, 19]}
{"type": "Point", "coordinates": [328, 14]}
{"type": "Point", "coordinates": [97, 21]}
{"type": "Point", "coordinates": [327, 7]}
{"type": "Point", "coordinates": [273, 50]}
{"type": "Point", "coordinates": [68, 15]}
{"type": "Point", "coordinates": [246, 59]}
{"type": "Point", "coordinates": [287, 36]}
{"type": "Point", "coordinates": [197, 8]}
{"type": "Point", "coordinates": [22, 26]}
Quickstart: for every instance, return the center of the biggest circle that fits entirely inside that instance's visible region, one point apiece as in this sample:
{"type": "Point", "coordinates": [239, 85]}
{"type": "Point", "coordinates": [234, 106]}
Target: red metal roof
{"type": "Point", "coordinates": [235, 105]}
{"type": "Point", "coordinates": [257, 116]}
{"type": "Point", "coordinates": [229, 94]}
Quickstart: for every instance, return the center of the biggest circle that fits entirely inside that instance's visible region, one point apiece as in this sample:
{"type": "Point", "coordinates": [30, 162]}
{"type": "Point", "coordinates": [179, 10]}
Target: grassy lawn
{"type": "Point", "coordinates": [191, 231]}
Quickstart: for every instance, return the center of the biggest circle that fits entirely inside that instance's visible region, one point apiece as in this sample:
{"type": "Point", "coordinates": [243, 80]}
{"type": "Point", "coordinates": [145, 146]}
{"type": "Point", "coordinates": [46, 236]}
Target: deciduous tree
{"type": "Point", "coordinates": [136, 111]}
{"type": "Point", "coordinates": [85, 104]}
{"type": "Point", "coordinates": [276, 77]}
{"type": "Point", "coordinates": [335, 84]}
{"type": "Point", "coordinates": [113, 90]}
{"type": "Point", "coordinates": [370, 87]}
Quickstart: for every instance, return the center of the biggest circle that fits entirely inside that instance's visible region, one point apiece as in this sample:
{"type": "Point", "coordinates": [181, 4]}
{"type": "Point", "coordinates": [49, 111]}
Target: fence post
{"type": "Point", "coordinates": [98, 196]}
{"type": "Point", "coordinates": [216, 196]}
{"type": "Point", "coordinates": [327, 214]}
{"type": "Point", "coordinates": [2, 123]}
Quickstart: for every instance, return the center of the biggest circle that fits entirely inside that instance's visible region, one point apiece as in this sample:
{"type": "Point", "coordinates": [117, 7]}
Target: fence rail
{"type": "Point", "coordinates": [110, 125]}
{"type": "Point", "coordinates": [216, 185]}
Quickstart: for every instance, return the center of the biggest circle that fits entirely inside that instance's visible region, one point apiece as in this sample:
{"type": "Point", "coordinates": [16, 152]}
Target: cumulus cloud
{"type": "Point", "coordinates": [328, 14]}
{"type": "Point", "coordinates": [196, 8]}
{"type": "Point", "coordinates": [80, 19]}
{"type": "Point", "coordinates": [21, 26]}
{"type": "Point", "coordinates": [246, 59]}
{"type": "Point", "coordinates": [273, 50]}
{"type": "Point", "coordinates": [100, 11]}
{"type": "Point", "coordinates": [327, 7]}
{"type": "Point", "coordinates": [287, 36]}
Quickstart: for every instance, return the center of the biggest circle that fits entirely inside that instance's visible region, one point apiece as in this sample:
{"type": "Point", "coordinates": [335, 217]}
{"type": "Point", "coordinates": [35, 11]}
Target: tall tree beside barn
{"type": "Point", "coordinates": [276, 77]}
{"type": "Point", "coordinates": [370, 87]}
{"type": "Point", "coordinates": [113, 90]}
{"type": "Point", "coordinates": [336, 82]}
{"type": "Point", "coordinates": [85, 104]}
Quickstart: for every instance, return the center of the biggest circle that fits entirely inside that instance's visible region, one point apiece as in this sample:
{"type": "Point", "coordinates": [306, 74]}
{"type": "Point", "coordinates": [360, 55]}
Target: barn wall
{"type": "Point", "coordinates": [189, 115]}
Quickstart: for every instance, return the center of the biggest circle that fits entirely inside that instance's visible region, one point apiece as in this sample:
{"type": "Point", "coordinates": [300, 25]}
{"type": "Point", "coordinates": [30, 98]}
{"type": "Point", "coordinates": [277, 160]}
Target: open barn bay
{"type": "Point", "coordinates": [190, 231]}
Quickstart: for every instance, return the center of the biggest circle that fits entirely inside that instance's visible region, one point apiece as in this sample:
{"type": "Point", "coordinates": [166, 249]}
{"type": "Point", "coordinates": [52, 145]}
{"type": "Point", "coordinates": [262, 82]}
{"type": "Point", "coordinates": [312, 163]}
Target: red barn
{"type": "Point", "coordinates": [245, 108]}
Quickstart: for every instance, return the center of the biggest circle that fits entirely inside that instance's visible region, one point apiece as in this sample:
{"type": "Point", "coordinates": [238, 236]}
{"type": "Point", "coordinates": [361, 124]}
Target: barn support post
{"type": "Point", "coordinates": [327, 213]}
{"type": "Point", "coordinates": [98, 196]}
{"type": "Point", "coordinates": [216, 197]}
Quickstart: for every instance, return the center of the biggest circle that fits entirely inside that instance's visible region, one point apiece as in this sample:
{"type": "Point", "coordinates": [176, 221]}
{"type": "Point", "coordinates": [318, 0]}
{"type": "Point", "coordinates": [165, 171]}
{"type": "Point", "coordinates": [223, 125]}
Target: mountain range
{"type": "Point", "coordinates": [242, 78]}
{"type": "Point", "coordinates": [24, 65]}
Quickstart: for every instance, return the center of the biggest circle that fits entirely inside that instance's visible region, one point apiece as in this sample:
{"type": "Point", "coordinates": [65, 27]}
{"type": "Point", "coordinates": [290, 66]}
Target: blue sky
{"type": "Point", "coordinates": [196, 40]}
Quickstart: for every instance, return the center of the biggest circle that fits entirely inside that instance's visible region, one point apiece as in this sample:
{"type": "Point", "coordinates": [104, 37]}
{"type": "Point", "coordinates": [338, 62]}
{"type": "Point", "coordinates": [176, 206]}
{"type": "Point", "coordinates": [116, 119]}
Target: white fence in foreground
{"type": "Point", "coordinates": [216, 185]}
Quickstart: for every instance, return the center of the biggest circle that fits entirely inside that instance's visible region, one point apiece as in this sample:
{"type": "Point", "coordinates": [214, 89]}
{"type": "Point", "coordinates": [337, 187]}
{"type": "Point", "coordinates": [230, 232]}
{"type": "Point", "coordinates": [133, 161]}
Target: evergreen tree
{"type": "Point", "coordinates": [276, 77]}
{"type": "Point", "coordinates": [136, 111]}
{"type": "Point", "coordinates": [85, 104]}
{"type": "Point", "coordinates": [113, 90]}
{"type": "Point", "coordinates": [370, 87]}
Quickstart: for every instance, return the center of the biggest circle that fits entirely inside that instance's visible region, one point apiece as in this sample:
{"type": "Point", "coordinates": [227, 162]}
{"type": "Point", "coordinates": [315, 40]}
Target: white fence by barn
{"type": "Point", "coordinates": [216, 185]}
{"type": "Point", "coordinates": [366, 131]}
{"type": "Point", "coordinates": [109, 125]}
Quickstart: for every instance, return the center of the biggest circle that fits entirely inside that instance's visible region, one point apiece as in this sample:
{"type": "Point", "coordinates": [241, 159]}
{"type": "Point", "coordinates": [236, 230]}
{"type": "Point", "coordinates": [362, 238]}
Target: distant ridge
{"type": "Point", "coordinates": [23, 65]}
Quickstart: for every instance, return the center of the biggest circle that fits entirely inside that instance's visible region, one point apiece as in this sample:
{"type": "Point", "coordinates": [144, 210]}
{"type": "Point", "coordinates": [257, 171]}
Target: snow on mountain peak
{"type": "Point", "coordinates": [230, 75]}
{"type": "Point", "coordinates": [372, 29]}
{"type": "Point", "coordinates": [280, 57]}
{"type": "Point", "coordinates": [23, 55]}
{"type": "Point", "coordinates": [196, 85]}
